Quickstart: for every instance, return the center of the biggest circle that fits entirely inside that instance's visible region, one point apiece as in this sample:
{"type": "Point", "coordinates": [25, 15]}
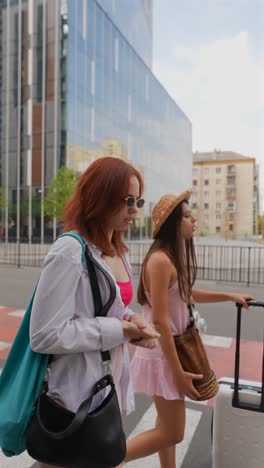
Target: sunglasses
{"type": "Point", "coordinates": [130, 201]}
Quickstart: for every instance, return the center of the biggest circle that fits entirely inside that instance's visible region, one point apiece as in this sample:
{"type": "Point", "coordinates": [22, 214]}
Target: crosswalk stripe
{"type": "Point", "coordinates": [17, 313]}
{"type": "Point", "coordinates": [218, 341]}
{"type": "Point", "coordinates": [21, 461]}
{"type": "Point", "coordinates": [148, 422]}
{"type": "Point", "coordinates": [4, 345]}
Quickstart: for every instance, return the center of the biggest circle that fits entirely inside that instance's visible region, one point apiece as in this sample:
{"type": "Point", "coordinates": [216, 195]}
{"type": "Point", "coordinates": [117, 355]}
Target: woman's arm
{"type": "Point", "coordinates": [55, 327]}
{"type": "Point", "coordinates": [159, 271]}
{"type": "Point", "coordinates": [204, 297]}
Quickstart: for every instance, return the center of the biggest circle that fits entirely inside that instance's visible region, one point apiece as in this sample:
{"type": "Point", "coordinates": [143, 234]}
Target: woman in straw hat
{"type": "Point", "coordinates": [165, 289]}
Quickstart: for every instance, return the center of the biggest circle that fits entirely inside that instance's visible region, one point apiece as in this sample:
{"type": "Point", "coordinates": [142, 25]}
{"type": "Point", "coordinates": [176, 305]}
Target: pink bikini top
{"type": "Point", "coordinates": [126, 291]}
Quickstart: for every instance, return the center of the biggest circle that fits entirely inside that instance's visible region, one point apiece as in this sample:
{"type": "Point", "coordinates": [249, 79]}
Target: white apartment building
{"type": "Point", "coordinates": [224, 195]}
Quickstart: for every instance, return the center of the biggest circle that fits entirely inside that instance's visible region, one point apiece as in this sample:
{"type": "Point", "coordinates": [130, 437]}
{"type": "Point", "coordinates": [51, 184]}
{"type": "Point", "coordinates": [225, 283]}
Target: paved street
{"type": "Point", "coordinates": [16, 286]}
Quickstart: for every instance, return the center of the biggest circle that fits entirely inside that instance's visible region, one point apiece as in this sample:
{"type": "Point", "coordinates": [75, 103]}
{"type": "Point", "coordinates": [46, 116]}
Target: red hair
{"type": "Point", "coordinates": [99, 194]}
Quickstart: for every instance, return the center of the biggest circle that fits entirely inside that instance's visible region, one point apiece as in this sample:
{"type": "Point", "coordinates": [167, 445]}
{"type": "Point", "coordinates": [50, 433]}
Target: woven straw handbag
{"type": "Point", "coordinates": [193, 358]}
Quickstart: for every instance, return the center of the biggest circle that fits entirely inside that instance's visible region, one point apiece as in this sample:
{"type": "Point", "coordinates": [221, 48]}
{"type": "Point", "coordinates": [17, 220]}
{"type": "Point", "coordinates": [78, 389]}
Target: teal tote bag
{"type": "Point", "coordinates": [20, 383]}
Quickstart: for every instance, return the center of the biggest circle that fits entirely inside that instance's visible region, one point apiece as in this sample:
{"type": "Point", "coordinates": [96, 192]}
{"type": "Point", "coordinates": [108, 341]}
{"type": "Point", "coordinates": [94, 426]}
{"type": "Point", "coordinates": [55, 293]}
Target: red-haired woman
{"type": "Point", "coordinates": [104, 205]}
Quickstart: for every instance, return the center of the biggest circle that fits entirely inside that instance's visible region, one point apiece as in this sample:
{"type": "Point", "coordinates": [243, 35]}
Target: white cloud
{"type": "Point", "coordinates": [220, 87]}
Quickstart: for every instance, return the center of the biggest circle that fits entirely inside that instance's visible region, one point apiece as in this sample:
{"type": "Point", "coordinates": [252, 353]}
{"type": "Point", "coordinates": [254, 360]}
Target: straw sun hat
{"type": "Point", "coordinates": [164, 208]}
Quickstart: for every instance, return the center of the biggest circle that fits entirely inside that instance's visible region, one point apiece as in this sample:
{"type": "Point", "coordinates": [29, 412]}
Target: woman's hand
{"type": "Point", "coordinates": [241, 298]}
{"type": "Point", "coordinates": [184, 383]}
{"type": "Point", "coordinates": [134, 332]}
{"type": "Point", "coordinates": [149, 343]}
{"type": "Point", "coordinates": [148, 329]}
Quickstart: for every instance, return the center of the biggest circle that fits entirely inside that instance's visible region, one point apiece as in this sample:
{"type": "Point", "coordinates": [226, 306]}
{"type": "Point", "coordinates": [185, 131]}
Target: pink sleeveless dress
{"type": "Point", "coordinates": [150, 370]}
{"type": "Point", "coordinates": [126, 292]}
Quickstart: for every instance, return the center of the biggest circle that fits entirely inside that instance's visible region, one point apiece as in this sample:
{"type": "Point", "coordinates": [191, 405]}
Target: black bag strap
{"type": "Point", "coordinates": [99, 310]}
{"type": "Point", "coordinates": [81, 413]}
{"type": "Point", "coordinates": [190, 308]}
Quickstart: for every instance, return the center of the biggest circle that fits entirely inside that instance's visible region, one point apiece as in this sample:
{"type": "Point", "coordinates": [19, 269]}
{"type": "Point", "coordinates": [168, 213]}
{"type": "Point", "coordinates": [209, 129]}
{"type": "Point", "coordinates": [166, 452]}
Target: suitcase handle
{"type": "Point", "coordinates": [253, 303]}
{"type": "Point", "coordinates": [236, 402]}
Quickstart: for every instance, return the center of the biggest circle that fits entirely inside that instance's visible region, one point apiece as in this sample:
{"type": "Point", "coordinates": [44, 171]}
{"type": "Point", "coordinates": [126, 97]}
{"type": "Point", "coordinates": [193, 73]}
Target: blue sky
{"type": "Point", "coordinates": [209, 55]}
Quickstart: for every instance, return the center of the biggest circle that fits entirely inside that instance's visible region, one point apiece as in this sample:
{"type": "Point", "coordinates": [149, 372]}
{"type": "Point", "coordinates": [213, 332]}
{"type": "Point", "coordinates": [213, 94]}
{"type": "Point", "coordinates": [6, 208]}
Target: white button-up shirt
{"type": "Point", "coordinates": [63, 324]}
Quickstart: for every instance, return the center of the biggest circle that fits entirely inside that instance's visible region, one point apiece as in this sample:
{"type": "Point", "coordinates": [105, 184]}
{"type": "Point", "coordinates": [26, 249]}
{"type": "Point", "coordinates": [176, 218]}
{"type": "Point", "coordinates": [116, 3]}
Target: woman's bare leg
{"type": "Point", "coordinates": [170, 431]}
{"type": "Point", "coordinates": [167, 456]}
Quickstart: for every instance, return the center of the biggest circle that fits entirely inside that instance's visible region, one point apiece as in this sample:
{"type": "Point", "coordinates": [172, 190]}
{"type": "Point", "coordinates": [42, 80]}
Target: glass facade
{"type": "Point", "coordinates": [136, 25]}
{"type": "Point", "coordinates": [76, 90]}
{"type": "Point", "coordinates": [32, 143]}
{"type": "Point", "coordinates": [115, 102]}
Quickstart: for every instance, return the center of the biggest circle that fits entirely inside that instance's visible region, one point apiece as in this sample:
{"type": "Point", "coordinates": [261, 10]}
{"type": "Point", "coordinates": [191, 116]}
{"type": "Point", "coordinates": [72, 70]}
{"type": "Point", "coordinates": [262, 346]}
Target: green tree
{"type": "Point", "coordinates": [260, 226]}
{"type": "Point", "coordinates": [60, 189]}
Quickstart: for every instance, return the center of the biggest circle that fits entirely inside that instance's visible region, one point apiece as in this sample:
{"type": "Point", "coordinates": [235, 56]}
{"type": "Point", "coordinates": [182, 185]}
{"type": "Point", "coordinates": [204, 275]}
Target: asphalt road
{"type": "Point", "coordinates": [17, 284]}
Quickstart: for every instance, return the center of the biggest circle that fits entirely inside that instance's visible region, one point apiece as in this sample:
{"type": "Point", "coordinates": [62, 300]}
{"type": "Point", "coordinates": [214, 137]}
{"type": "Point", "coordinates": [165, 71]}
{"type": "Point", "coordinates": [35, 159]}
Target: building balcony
{"type": "Point", "coordinates": [231, 181]}
{"type": "Point", "coordinates": [230, 197]}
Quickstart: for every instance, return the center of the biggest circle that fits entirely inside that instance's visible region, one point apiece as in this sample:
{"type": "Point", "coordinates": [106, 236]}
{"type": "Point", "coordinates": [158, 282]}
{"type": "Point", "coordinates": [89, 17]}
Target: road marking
{"type": "Point", "coordinates": [17, 313]}
{"type": "Point", "coordinates": [218, 341]}
{"type": "Point", "coordinates": [148, 421]}
{"type": "Point", "coordinates": [4, 345]}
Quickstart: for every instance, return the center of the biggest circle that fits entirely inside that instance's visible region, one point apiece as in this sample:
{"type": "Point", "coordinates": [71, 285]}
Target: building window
{"type": "Point", "coordinates": [218, 206]}
{"type": "Point", "coordinates": [206, 206]}
{"type": "Point", "coordinates": [206, 195]}
{"type": "Point", "coordinates": [129, 108]}
{"type": "Point", "coordinates": [195, 182]}
{"type": "Point", "coordinates": [231, 180]}
{"type": "Point", "coordinates": [218, 170]}
{"type": "Point", "coordinates": [92, 78]}
{"type": "Point", "coordinates": [231, 192]}
{"type": "Point", "coordinates": [116, 54]}
{"type": "Point", "coordinates": [218, 194]}
{"type": "Point", "coordinates": [231, 169]}
{"type": "Point", "coordinates": [218, 181]}
{"type": "Point", "coordinates": [206, 171]}
{"type": "Point", "coordinates": [194, 195]}
{"type": "Point", "coordinates": [231, 205]}
{"type": "Point", "coordinates": [194, 205]}
{"type": "Point", "coordinates": [92, 125]}
{"type": "Point", "coordinates": [195, 171]}
{"type": "Point", "coordinates": [206, 182]}
{"type": "Point", "coordinates": [84, 23]}
{"type": "Point", "coordinates": [147, 87]}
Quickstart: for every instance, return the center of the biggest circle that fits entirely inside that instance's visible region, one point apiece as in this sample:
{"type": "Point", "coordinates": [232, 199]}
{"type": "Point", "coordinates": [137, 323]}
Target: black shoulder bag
{"type": "Point", "coordinates": [60, 437]}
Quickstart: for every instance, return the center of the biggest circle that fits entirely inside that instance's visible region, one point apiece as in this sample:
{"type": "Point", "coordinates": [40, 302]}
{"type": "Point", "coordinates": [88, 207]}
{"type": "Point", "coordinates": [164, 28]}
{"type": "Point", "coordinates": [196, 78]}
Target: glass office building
{"type": "Point", "coordinates": [76, 84]}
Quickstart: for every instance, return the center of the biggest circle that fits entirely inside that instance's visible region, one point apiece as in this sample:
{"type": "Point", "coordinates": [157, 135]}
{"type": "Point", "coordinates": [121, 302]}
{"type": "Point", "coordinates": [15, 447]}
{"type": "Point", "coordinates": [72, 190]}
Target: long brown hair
{"type": "Point", "coordinates": [99, 194]}
{"type": "Point", "coordinates": [180, 252]}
